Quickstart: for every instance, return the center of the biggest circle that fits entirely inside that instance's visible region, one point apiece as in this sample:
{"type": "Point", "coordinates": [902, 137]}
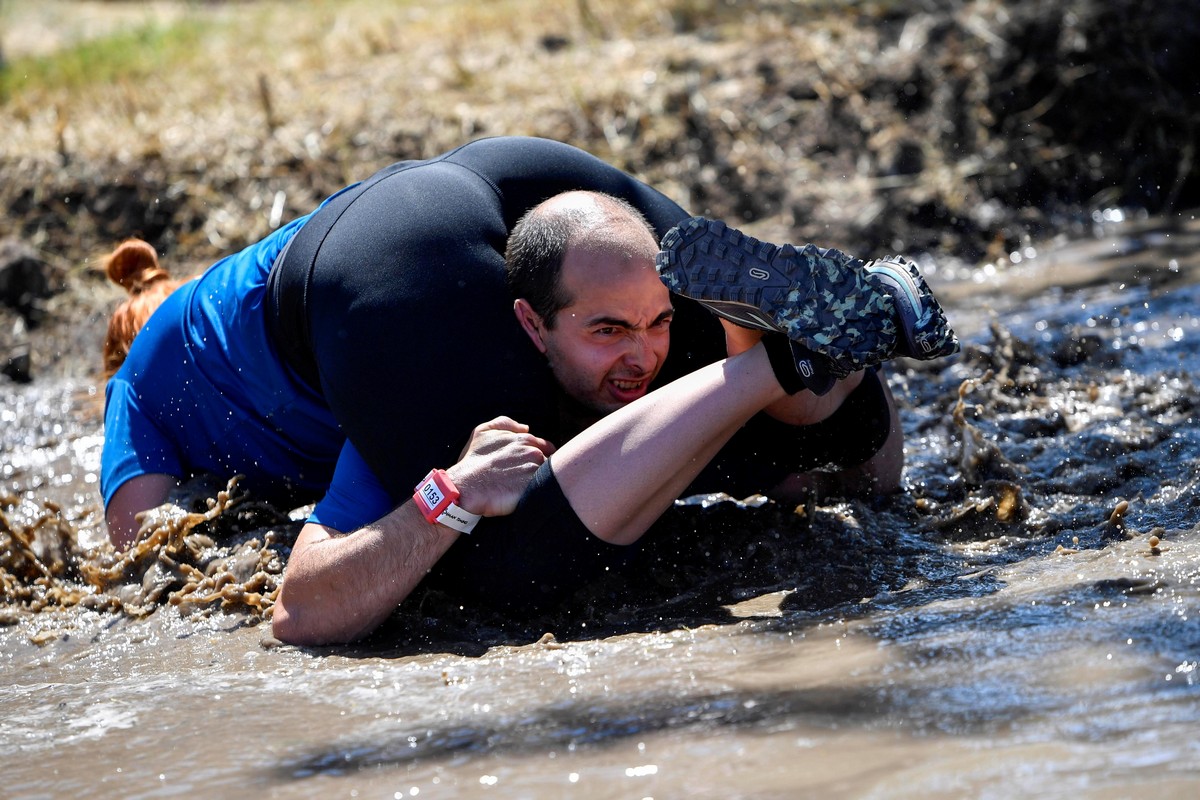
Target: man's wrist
{"type": "Point", "coordinates": [435, 497]}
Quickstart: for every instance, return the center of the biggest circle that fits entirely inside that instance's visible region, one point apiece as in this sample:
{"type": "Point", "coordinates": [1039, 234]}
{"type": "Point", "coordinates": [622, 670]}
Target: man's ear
{"type": "Point", "coordinates": [531, 323]}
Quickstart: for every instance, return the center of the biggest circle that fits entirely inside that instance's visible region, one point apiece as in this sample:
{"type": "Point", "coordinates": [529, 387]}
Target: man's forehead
{"type": "Point", "coordinates": [606, 284]}
{"type": "Point", "coordinates": [607, 268]}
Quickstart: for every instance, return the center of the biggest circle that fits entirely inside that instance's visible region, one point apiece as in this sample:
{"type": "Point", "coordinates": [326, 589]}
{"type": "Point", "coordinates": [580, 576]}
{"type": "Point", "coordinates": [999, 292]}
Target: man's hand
{"type": "Point", "coordinates": [340, 586]}
{"type": "Point", "coordinates": [496, 466]}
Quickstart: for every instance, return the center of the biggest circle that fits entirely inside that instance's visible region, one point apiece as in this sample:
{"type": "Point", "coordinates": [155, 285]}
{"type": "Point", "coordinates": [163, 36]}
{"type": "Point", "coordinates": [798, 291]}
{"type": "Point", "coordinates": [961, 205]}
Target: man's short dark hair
{"type": "Point", "coordinates": [533, 261]}
{"type": "Point", "coordinates": [538, 245]}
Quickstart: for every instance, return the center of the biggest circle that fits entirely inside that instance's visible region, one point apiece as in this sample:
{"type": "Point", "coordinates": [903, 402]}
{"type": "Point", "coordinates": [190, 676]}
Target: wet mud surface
{"type": "Point", "coordinates": [1028, 600]}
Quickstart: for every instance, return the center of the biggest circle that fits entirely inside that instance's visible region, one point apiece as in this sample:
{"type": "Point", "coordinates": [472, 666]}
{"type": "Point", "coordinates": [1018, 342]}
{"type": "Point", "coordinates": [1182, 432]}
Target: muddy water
{"type": "Point", "coordinates": [1023, 621]}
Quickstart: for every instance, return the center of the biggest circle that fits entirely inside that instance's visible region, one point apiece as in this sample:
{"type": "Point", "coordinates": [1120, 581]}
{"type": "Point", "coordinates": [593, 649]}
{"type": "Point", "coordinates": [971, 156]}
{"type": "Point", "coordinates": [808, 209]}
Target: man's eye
{"type": "Point", "coordinates": [606, 331]}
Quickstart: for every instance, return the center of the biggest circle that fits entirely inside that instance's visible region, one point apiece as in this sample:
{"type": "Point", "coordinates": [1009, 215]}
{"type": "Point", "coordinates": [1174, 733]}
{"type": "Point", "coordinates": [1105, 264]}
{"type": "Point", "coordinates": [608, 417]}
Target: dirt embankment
{"type": "Point", "coordinates": [962, 129]}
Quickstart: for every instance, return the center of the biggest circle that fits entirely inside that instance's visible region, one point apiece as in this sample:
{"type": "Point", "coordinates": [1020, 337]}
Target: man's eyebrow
{"type": "Point", "coordinates": [615, 322]}
{"type": "Point", "coordinates": [609, 322]}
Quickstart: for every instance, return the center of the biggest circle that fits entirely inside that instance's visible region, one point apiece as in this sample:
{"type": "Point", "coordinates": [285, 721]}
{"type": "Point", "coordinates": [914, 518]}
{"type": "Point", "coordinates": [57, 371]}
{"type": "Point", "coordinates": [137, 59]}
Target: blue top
{"type": "Point", "coordinates": [203, 374]}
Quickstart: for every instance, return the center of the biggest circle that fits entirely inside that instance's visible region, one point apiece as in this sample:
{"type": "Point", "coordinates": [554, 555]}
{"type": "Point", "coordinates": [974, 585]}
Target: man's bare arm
{"type": "Point", "coordinates": [340, 586]}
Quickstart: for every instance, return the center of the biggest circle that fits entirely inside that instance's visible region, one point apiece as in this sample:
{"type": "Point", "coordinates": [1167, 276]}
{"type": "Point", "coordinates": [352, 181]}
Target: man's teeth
{"type": "Point", "coordinates": [627, 386]}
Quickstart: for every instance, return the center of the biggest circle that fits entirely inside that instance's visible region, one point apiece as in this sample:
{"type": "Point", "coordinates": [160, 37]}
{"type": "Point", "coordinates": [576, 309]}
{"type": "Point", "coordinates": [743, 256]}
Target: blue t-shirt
{"type": "Point", "coordinates": [204, 390]}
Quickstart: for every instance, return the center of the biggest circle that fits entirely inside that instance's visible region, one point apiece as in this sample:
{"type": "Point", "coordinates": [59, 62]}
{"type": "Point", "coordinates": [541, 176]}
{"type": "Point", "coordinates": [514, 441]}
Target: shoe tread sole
{"type": "Point", "coordinates": [811, 295]}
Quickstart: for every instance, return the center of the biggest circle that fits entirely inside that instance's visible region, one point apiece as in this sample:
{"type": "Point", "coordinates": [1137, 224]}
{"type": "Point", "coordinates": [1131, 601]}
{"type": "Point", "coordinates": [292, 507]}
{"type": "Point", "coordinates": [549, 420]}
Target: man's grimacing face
{"type": "Point", "coordinates": [609, 342]}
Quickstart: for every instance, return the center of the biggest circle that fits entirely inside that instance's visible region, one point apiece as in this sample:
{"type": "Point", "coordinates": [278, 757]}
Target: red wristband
{"type": "Point", "coordinates": [435, 496]}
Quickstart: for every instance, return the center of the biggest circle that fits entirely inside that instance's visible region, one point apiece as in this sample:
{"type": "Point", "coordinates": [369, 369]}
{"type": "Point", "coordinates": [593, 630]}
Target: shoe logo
{"type": "Point", "coordinates": [759, 274]}
{"type": "Point", "coordinates": [806, 368]}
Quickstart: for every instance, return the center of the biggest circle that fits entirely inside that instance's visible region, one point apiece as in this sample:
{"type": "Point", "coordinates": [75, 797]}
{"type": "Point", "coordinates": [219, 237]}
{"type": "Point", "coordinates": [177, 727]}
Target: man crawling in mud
{"type": "Point", "coordinates": [494, 370]}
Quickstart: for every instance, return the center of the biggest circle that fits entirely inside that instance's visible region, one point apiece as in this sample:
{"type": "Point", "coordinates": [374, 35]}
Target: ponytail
{"type": "Point", "coordinates": [134, 266]}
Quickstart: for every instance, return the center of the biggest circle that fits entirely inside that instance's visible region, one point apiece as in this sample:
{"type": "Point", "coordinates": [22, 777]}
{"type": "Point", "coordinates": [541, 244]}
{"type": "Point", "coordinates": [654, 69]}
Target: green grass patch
{"type": "Point", "coordinates": [129, 54]}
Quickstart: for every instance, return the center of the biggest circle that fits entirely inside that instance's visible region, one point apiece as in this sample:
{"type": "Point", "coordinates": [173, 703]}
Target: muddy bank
{"type": "Point", "coordinates": [882, 125]}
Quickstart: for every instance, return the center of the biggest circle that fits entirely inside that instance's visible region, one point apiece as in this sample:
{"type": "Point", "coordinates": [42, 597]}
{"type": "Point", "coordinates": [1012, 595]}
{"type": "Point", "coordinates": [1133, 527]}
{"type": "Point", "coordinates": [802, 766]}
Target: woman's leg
{"type": "Point", "coordinates": [647, 453]}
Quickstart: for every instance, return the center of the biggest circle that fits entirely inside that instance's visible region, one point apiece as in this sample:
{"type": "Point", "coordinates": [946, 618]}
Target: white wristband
{"type": "Point", "coordinates": [458, 518]}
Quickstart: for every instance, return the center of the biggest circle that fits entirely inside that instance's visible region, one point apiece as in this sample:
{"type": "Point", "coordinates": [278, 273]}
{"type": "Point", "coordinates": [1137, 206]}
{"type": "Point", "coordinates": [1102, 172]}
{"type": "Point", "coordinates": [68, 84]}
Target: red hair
{"type": "Point", "coordinates": [133, 265]}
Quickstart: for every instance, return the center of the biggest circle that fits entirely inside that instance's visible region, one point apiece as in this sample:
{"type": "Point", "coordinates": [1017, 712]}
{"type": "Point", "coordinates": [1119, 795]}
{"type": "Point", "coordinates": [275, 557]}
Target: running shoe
{"type": "Point", "coordinates": [924, 332]}
{"type": "Point", "coordinates": [821, 299]}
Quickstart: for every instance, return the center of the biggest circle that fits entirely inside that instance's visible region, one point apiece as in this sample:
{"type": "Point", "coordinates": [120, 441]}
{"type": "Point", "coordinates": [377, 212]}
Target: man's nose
{"type": "Point", "coordinates": [638, 352]}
